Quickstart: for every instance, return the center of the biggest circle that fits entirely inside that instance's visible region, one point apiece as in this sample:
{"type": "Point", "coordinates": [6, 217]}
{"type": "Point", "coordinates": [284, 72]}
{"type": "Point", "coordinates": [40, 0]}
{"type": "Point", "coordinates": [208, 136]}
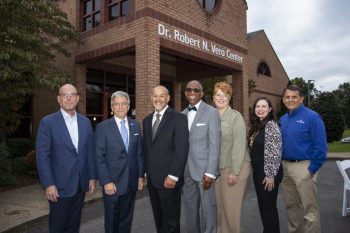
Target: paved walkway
{"type": "Point", "coordinates": [23, 205]}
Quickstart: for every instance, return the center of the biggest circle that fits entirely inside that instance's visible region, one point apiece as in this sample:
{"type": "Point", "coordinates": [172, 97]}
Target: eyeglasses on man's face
{"type": "Point", "coordinates": [195, 90]}
{"type": "Point", "coordinates": [68, 95]}
{"type": "Point", "coordinates": [122, 104]}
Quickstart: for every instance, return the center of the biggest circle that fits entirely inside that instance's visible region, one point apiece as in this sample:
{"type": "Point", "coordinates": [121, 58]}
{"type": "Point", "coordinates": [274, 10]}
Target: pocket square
{"type": "Point", "coordinates": [135, 134]}
{"type": "Point", "coordinates": [200, 124]}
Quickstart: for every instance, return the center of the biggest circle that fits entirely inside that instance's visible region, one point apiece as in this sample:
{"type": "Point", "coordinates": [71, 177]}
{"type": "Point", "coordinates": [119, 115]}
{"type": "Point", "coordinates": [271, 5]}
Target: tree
{"type": "Point", "coordinates": [343, 96]}
{"type": "Point", "coordinates": [328, 107]}
{"type": "Point", "coordinates": [32, 33]}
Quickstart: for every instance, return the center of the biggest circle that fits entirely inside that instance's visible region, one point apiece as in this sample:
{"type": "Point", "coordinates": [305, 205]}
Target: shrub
{"type": "Point", "coordinates": [6, 173]}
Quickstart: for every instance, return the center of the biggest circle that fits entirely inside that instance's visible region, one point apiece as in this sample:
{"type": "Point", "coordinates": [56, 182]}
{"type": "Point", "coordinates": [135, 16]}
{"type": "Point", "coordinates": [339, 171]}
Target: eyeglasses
{"type": "Point", "coordinates": [195, 90]}
{"type": "Point", "coordinates": [68, 95]}
{"type": "Point", "coordinates": [123, 104]}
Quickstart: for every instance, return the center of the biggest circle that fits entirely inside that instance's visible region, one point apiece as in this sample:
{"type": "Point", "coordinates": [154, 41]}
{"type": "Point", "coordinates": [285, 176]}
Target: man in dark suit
{"type": "Point", "coordinates": [65, 162]}
{"type": "Point", "coordinates": [119, 162]}
{"type": "Point", "coordinates": [202, 163]}
{"type": "Point", "coordinates": [165, 136]}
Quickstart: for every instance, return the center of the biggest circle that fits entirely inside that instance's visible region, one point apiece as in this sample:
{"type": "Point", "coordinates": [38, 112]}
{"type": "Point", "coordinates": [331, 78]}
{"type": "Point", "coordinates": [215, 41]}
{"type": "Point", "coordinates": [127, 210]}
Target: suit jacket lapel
{"type": "Point", "coordinates": [81, 132]}
{"type": "Point", "coordinates": [132, 131]}
{"type": "Point", "coordinates": [198, 115]}
{"type": "Point", "coordinates": [162, 122]}
{"type": "Point", "coordinates": [63, 130]}
{"type": "Point", "coordinates": [115, 131]}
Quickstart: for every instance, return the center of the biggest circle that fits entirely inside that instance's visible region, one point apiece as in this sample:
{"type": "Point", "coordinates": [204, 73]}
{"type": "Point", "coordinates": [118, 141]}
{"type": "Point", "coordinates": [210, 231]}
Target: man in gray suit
{"type": "Point", "coordinates": [202, 164]}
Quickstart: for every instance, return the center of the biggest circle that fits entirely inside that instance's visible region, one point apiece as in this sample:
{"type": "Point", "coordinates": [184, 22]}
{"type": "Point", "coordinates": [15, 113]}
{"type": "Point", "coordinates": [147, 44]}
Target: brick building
{"type": "Point", "coordinates": [135, 45]}
{"type": "Point", "coordinates": [265, 70]}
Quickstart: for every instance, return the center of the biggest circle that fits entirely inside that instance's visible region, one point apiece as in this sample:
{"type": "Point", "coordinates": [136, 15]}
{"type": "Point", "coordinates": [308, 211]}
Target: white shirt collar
{"type": "Point", "coordinates": [196, 105]}
{"type": "Point", "coordinates": [161, 112]}
{"type": "Point", "coordinates": [66, 115]}
{"type": "Point", "coordinates": [119, 120]}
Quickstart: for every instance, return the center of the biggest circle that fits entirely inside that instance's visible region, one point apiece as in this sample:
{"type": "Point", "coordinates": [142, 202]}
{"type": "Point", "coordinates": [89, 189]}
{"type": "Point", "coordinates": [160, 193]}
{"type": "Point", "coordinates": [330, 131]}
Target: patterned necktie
{"type": "Point", "coordinates": [155, 125]}
{"type": "Point", "coordinates": [124, 133]}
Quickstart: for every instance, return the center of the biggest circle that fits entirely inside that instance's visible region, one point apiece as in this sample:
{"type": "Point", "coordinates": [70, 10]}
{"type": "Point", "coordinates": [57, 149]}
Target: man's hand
{"type": "Point", "coordinates": [207, 182]}
{"type": "Point", "coordinates": [231, 180]}
{"type": "Point", "coordinates": [110, 188]}
{"type": "Point", "coordinates": [51, 193]}
{"type": "Point", "coordinates": [92, 186]}
{"type": "Point", "coordinates": [141, 183]}
{"type": "Point", "coordinates": [169, 183]}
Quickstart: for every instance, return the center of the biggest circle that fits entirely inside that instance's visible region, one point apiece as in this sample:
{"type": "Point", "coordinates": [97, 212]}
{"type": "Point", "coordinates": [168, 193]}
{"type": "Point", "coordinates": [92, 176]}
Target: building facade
{"type": "Point", "coordinates": [265, 70]}
{"type": "Point", "coordinates": [134, 45]}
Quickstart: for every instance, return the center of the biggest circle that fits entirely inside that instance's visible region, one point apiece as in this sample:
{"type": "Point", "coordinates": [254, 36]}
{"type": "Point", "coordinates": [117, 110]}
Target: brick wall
{"type": "Point", "coordinates": [261, 50]}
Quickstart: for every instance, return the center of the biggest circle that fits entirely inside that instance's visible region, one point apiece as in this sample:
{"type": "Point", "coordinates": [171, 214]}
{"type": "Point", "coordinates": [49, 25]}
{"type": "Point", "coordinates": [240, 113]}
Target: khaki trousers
{"type": "Point", "coordinates": [300, 194]}
{"type": "Point", "coordinates": [229, 200]}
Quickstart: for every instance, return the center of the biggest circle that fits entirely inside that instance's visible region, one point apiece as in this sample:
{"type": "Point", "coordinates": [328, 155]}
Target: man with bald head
{"type": "Point", "coordinates": [202, 163]}
{"type": "Point", "coordinates": [165, 137]}
{"type": "Point", "coordinates": [65, 161]}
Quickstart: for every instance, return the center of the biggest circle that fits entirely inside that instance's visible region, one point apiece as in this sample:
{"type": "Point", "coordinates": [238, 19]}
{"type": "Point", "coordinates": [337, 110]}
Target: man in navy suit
{"type": "Point", "coordinates": [65, 161]}
{"type": "Point", "coordinates": [166, 148]}
{"type": "Point", "coordinates": [119, 162]}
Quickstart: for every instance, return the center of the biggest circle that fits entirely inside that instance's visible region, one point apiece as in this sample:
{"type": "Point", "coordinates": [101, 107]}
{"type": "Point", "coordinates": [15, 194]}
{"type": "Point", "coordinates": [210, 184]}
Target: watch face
{"type": "Point", "coordinates": [208, 5]}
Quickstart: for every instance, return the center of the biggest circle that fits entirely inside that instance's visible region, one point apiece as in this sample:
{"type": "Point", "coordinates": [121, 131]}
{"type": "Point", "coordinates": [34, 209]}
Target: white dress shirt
{"type": "Point", "coordinates": [72, 126]}
{"type": "Point", "coordinates": [191, 115]}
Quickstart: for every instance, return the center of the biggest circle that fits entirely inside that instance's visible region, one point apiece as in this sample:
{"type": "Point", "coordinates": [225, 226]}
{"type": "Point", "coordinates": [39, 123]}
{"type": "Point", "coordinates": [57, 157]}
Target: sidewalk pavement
{"type": "Point", "coordinates": [26, 204]}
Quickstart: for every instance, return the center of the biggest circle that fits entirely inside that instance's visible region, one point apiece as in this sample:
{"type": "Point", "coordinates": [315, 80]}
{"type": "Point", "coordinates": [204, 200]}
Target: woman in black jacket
{"type": "Point", "coordinates": [265, 145]}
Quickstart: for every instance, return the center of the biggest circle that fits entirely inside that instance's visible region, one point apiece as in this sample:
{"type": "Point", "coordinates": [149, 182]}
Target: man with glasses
{"type": "Point", "coordinates": [304, 150]}
{"type": "Point", "coordinates": [65, 161]}
{"type": "Point", "coordinates": [202, 164]}
{"type": "Point", "coordinates": [119, 162]}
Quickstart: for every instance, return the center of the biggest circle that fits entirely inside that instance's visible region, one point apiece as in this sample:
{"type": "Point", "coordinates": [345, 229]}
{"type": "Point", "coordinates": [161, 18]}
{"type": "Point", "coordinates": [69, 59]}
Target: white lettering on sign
{"type": "Point", "coordinates": [186, 39]}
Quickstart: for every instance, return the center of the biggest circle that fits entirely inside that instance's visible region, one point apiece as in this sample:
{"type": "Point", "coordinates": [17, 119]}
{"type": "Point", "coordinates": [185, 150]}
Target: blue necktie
{"type": "Point", "coordinates": [124, 133]}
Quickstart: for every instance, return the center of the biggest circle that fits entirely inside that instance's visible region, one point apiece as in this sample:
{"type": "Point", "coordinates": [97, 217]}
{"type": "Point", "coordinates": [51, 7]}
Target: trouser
{"type": "Point", "coordinates": [65, 214]}
{"type": "Point", "coordinates": [200, 207]}
{"type": "Point", "coordinates": [229, 199]}
{"type": "Point", "coordinates": [300, 194]}
{"type": "Point", "coordinates": [267, 201]}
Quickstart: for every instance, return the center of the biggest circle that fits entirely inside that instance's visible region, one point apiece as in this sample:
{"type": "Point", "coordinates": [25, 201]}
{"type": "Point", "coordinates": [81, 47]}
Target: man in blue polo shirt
{"type": "Point", "coordinates": [304, 151]}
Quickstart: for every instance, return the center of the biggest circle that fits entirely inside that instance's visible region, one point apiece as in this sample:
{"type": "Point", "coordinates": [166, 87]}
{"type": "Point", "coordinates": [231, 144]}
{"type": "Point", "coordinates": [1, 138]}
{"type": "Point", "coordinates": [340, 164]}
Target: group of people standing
{"type": "Point", "coordinates": [203, 155]}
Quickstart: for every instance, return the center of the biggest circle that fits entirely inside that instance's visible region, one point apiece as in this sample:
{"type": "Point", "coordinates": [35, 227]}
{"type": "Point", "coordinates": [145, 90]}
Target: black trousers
{"type": "Point", "coordinates": [65, 214]}
{"type": "Point", "coordinates": [267, 201]}
{"type": "Point", "coordinates": [166, 206]}
{"type": "Point", "coordinates": [119, 211]}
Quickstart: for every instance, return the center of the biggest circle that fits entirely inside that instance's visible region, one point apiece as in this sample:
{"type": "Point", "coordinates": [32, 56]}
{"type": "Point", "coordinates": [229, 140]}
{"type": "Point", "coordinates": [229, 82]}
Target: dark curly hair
{"type": "Point", "coordinates": [255, 123]}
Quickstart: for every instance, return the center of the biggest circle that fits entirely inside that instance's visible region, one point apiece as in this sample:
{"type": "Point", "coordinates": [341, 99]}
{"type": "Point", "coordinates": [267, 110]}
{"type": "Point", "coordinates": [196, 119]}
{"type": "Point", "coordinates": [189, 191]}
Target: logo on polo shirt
{"type": "Point", "coordinates": [300, 121]}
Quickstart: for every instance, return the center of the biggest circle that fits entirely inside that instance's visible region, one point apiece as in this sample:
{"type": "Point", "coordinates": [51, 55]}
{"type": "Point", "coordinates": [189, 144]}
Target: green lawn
{"type": "Point", "coordinates": [338, 146]}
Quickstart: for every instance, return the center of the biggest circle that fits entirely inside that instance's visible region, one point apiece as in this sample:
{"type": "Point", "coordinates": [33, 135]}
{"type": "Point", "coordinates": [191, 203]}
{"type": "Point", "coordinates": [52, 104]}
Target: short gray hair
{"type": "Point", "coordinates": [120, 94]}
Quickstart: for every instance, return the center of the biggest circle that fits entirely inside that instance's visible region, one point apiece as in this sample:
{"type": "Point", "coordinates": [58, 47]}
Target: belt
{"type": "Point", "coordinates": [294, 160]}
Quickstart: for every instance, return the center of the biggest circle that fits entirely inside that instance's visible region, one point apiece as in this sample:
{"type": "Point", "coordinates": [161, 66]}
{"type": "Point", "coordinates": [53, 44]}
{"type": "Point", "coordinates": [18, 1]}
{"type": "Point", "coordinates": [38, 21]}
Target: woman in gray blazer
{"type": "Point", "coordinates": [234, 162]}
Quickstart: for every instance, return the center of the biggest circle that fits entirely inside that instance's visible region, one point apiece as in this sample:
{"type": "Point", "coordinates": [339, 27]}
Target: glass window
{"type": "Point", "coordinates": [100, 85]}
{"type": "Point", "coordinates": [208, 5]}
{"type": "Point", "coordinates": [117, 8]}
{"type": "Point", "coordinates": [88, 7]}
{"type": "Point", "coordinates": [124, 7]}
{"type": "Point", "coordinates": [91, 14]}
{"type": "Point", "coordinates": [87, 23]}
{"type": "Point", "coordinates": [113, 12]}
{"type": "Point", "coordinates": [97, 19]}
{"type": "Point", "coordinates": [264, 69]}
